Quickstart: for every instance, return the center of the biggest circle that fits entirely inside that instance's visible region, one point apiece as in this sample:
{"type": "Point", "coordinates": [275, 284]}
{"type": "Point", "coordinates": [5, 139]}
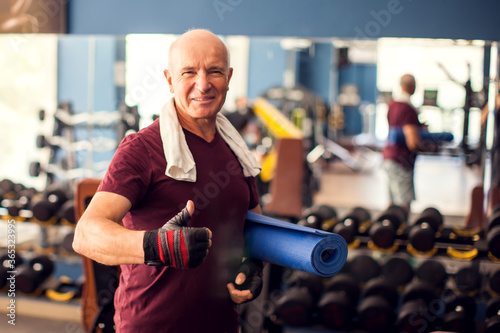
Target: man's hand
{"type": "Point", "coordinates": [248, 282]}
{"type": "Point", "coordinates": [177, 245]}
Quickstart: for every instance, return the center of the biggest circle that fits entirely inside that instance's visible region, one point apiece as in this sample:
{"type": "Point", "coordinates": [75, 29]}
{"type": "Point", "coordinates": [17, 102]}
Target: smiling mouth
{"type": "Point", "coordinates": [203, 99]}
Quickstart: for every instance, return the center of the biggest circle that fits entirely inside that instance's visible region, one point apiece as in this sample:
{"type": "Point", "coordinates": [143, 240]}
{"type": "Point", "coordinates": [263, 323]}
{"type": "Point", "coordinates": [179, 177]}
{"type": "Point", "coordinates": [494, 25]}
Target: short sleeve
{"type": "Point", "coordinates": [129, 172]}
{"type": "Point", "coordinates": [254, 193]}
{"type": "Point", "coordinates": [410, 116]}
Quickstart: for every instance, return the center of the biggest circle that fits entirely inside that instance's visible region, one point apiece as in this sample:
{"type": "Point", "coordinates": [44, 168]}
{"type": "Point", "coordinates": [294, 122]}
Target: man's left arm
{"type": "Point", "coordinates": [249, 276]}
{"type": "Point", "coordinates": [257, 210]}
{"type": "Point", "coordinates": [412, 137]}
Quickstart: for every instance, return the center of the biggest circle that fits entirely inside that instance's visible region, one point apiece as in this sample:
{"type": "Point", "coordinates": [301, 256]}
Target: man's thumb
{"type": "Point", "coordinates": [190, 207]}
{"type": "Point", "coordinates": [180, 220]}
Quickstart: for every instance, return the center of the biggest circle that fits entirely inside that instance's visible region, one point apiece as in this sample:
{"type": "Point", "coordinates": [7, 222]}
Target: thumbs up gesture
{"type": "Point", "coordinates": [175, 244]}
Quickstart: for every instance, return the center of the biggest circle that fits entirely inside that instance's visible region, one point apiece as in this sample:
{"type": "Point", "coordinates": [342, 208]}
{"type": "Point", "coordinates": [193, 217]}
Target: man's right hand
{"type": "Point", "coordinates": [177, 245]}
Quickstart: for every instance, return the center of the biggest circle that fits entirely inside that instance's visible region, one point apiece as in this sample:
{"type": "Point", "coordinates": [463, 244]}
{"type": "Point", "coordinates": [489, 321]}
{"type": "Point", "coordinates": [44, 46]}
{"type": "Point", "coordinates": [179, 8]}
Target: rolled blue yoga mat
{"type": "Point", "coordinates": [396, 136]}
{"type": "Point", "coordinates": [294, 246]}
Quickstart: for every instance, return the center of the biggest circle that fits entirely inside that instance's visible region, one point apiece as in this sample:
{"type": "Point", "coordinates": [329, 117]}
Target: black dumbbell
{"type": "Point", "coordinates": [3, 276]}
{"type": "Point", "coordinates": [8, 262]}
{"type": "Point", "coordinates": [468, 279]}
{"type": "Point", "coordinates": [319, 217]}
{"type": "Point", "coordinates": [417, 312]}
{"type": "Point", "coordinates": [397, 270]}
{"type": "Point", "coordinates": [41, 141]}
{"type": "Point", "coordinates": [460, 313]}
{"type": "Point", "coordinates": [10, 190]}
{"type": "Point", "coordinates": [492, 316]}
{"type": "Point", "coordinates": [353, 221]}
{"type": "Point", "coordinates": [296, 306]}
{"type": "Point", "coordinates": [65, 289]}
{"type": "Point", "coordinates": [66, 214]}
{"type": "Point", "coordinates": [67, 242]}
{"type": "Point", "coordinates": [36, 169]}
{"type": "Point", "coordinates": [384, 230]}
{"type": "Point", "coordinates": [10, 259]}
{"type": "Point", "coordinates": [61, 116]}
{"type": "Point", "coordinates": [493, 233]}
{"type": "Point", "coordinates": [31, 276]}
{"type": "Point", "coordinates": [494, 282]}
{"type": "Point", "coordinates": [376, 309]}
{"type": "Point", "coordinates": [19, 202]}
{"type": "Point", "coordinates": [364, 268]}
{"type": "Point", "coordinates": [7, 189]}
{"type": "Point", "coordinates": [58, 142]}
{"type": "Point", "coordinates": [41, 114]}
{"type": "Point", "coordinates": [129, 121]}
{"type": "Point", "coordinates": [432, 272]}
{"type": "Point", "coordinates": [54, 142]}
{"type": "Point", "coordinates": [45, 208]}
{"type": "Point", "coordinates": [422, 234]}
{"type": "Point", "coordinates": [67, 119]}
{"type": "Point", "coordinates": [337, 306]}
{"type": "Point", "coordinates": [313, 282]}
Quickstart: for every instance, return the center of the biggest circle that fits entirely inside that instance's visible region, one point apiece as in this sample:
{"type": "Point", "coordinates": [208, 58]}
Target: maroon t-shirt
{"type": "Point", "coordinates": [164, 299]}
{"type": "Point", "coordinates": [399, 115]}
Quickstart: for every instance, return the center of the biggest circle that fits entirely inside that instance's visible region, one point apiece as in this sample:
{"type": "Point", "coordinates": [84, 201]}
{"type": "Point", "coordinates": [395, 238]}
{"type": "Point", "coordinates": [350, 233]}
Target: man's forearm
{"type": "Point", "coordinates": [108, 243]}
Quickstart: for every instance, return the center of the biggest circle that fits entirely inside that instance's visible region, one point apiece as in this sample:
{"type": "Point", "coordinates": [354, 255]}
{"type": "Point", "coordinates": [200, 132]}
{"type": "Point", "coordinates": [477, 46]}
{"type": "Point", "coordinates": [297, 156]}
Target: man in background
{"type": "Point", "coordinates": [399, 159]}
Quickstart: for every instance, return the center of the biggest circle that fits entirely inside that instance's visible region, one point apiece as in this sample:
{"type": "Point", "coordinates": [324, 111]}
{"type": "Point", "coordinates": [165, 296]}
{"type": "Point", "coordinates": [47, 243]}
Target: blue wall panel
{"type": "Point", "coordinates": [75, 57]}
{"type": "Point", "coordinates": [315, 67]}
{"type": "Point", "coordinates": [266, 65]}
{"type": "Point", "coordinates": [81, 86]}
{"type": "Point", "coordinates": [72, 71]}
{"type": "Point", "coordinates": [364, 76]}
{"type": "Point", "coordinates": [463, 19]}
{"type": "Point", "coordinates": [105, 98]}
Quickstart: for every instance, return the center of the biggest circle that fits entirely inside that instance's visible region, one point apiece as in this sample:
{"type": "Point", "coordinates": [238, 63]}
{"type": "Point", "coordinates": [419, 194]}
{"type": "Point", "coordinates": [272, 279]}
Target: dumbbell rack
{"type": "Point", "coordinates": [85, 132]}
{"type": "Point", "coordinates": [463, 252]}
{"type": "Point", "coordinates": [48, 236]}
{"type": "Point", "coordinates": [49, 219]}
{"type": "Point", "coordinates": [76, 135]}
{"type": "Point", "coordinates": [56, 288]}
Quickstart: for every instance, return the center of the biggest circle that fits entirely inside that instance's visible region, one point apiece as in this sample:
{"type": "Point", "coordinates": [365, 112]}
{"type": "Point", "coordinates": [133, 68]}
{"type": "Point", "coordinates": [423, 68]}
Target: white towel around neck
{"type": "Point", "coordinates": [403, 97]}
{"type": "Point", "coordinates": [180, 161]}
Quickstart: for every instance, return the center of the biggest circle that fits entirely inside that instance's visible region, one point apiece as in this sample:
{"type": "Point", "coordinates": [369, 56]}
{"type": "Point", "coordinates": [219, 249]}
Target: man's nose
{"type": "Point", "coordinates": [203, 82]}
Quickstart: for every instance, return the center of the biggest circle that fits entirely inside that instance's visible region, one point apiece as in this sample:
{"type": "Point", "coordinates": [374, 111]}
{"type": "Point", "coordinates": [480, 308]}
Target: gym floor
{"type": "Point", "coordinates": [28, 324]}
{"type": "Point", "coordinates": [444, 182]}
{"type": "Point", "coordinates": [441, 181]}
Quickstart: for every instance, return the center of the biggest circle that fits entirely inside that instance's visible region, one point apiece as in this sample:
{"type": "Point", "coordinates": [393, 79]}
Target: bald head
{"type": "Point", "coordinates": [198, 77]}
{"type": "Point", "coordinates": [408, 83]}
{"type": "Point", "coordinates": [200, 39]}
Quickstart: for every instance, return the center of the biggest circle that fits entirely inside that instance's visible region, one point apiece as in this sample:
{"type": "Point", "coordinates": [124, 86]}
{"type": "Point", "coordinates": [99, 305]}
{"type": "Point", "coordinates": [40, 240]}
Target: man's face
{"type": "Point", "coordinates": [199, 78]}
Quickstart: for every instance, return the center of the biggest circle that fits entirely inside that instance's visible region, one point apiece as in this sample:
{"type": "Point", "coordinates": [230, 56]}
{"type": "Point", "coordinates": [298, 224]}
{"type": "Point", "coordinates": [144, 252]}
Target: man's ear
{"type": "Point", "coordinates": [229, 75]}
{"type": "Point", "coordinates": [168, 76]}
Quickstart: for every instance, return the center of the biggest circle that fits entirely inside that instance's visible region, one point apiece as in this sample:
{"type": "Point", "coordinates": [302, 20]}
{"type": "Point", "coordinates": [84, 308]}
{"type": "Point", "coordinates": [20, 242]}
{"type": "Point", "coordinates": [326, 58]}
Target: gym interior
{"type": "Point", "coordinates": [309, 94]}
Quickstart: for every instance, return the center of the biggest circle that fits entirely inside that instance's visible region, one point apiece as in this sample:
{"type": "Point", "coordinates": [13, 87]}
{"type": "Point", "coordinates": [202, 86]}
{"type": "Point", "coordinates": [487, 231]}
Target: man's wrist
{"type": "Point", "coordinates": [150, 246]}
